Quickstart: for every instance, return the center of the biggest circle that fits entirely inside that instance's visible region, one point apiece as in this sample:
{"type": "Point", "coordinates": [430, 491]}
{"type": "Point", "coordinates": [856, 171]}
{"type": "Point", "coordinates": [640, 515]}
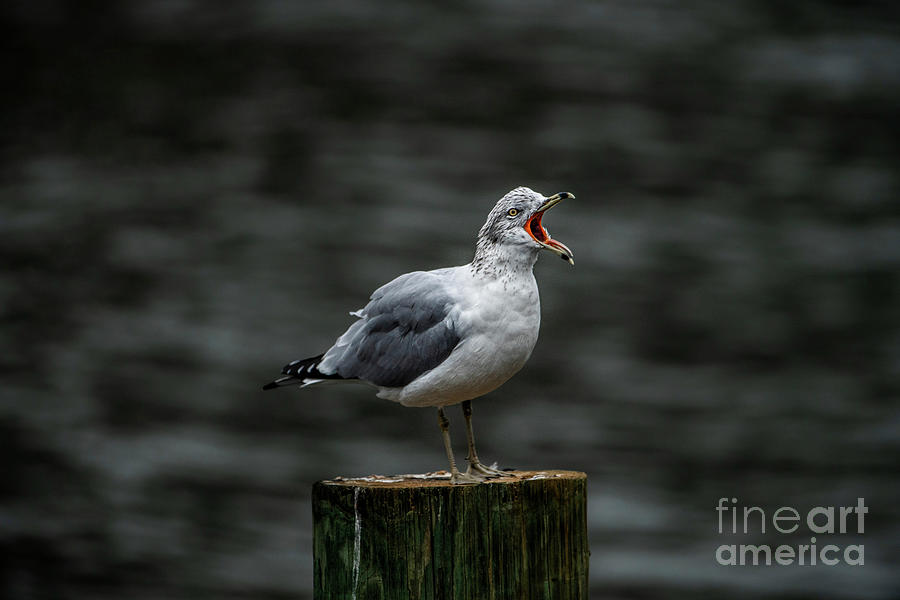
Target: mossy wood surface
{"type": "Point", "coordinates": [402, 537]}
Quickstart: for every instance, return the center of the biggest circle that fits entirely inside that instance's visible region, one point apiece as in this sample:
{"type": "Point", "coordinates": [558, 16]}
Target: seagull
{"type": "Point", "coordinates": [447, 336]}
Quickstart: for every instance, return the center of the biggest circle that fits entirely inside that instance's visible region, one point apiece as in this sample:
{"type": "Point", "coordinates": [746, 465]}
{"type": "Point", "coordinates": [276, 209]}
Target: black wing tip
{"type": "Point", "coordinates": [297, 372]}
{"type": "Point", "coordinates": [297, 366]}
{"type": "Point", "coordinates": [283, 381]}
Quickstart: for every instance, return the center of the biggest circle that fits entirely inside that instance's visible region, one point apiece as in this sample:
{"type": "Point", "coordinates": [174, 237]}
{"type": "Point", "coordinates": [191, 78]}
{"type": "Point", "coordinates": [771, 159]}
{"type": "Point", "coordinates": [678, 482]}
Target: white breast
{"type": "Point", "coordinates": [499, 320]}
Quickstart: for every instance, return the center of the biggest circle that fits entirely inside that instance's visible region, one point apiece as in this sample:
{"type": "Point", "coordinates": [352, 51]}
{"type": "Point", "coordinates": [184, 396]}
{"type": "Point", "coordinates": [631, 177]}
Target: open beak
{"type": "Point", "coordinates": [541, 235]}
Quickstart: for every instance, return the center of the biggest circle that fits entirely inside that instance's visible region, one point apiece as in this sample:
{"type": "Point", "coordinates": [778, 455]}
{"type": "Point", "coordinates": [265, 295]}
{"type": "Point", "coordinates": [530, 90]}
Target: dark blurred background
{"type": "Point", "coordinates": [195, 192]}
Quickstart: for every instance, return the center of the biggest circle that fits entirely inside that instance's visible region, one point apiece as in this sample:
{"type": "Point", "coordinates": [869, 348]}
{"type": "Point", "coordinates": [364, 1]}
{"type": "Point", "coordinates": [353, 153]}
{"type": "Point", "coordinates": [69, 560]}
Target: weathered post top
{"type": "Point", "coordinates": [418, 536]}
{"type": "Point", "coordinates": [442, 479]}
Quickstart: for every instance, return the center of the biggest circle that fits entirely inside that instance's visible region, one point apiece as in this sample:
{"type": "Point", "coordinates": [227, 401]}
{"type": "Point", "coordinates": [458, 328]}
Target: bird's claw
{"type": "Point", "coordinates": [479, 469]}
{"type": "Point", "coordinates": [466, 478]}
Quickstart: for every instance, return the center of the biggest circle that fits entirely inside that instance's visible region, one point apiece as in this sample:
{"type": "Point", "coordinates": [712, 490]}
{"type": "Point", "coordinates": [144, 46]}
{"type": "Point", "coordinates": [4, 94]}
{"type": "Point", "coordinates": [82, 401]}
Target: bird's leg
{"type": "Point", "coordinates": [476, 467]}
{"type": "Point", "coordinates": [455, 476]}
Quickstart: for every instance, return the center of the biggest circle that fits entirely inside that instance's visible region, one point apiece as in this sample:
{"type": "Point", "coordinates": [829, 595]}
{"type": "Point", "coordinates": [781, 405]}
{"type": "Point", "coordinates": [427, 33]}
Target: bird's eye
{"type": "Point", "coordinates": [512, 212]}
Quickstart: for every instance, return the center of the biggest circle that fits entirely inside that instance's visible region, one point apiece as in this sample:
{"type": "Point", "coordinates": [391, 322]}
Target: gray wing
{"type": "Point", "coordinates": [405, 330]}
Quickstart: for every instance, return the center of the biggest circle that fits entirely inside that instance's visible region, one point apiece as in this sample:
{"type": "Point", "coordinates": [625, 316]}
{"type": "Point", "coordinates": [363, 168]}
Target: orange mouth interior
{"type": "Point", "coordinates": [535, 229]}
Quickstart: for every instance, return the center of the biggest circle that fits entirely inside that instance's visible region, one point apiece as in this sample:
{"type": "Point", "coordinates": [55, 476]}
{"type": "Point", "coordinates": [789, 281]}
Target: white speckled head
{"type": "Point", "coordinates": [513, 228]}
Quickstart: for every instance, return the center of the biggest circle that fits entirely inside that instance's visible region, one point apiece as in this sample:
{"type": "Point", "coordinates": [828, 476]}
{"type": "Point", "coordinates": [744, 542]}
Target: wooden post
{"type": "Point", "coordinates": [419, 537]}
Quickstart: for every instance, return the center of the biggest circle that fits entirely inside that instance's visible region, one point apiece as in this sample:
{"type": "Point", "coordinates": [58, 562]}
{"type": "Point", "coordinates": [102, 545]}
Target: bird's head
{"type": "Point", "coordinates": [516, 221]}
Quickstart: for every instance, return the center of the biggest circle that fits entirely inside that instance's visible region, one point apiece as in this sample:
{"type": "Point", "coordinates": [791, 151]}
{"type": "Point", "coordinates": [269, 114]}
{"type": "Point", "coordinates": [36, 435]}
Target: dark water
{"type": "Point", "coordinates": [194, 194]}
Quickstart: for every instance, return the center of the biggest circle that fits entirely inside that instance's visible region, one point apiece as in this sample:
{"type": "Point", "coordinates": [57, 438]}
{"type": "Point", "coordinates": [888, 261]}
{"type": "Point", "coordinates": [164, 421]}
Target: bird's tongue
{"type": "Point", "coordinates": [557, 245]}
